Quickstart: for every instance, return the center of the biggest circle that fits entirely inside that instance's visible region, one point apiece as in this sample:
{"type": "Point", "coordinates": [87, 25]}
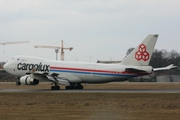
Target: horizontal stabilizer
{"type": "Point", "coordinates": [133, 70]}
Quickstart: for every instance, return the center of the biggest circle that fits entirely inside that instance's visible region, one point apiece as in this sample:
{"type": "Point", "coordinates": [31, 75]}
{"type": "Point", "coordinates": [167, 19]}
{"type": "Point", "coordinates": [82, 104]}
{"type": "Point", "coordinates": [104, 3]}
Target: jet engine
{"type": "Point", "coordinates": [27, 80]}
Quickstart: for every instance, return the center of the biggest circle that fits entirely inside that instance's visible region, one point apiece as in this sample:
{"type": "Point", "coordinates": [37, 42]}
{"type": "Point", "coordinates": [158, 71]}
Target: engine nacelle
{"type": "Point", "coordinates": [27, 80]}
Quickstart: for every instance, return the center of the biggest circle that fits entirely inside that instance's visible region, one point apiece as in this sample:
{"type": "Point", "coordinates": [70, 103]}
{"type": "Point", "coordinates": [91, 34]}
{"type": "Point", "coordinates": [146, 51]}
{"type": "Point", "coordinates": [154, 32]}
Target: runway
{"type": "Point", "coordinates": [125, 87]}
{"type": "Point", "coordinates": [94, 91]}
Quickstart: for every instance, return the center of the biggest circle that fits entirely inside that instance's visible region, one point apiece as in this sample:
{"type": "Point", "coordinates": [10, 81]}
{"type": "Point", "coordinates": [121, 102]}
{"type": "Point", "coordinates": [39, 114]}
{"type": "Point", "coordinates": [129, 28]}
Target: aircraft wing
{"type": "Point", "coordinates": [54, 77]}
{"type": "Point", "coordinates": [171, 66]}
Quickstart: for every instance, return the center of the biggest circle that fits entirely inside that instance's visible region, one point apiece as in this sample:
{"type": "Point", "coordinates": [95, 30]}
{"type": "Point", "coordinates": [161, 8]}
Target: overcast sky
{"type": "Point", "coordinates": [96, 29]}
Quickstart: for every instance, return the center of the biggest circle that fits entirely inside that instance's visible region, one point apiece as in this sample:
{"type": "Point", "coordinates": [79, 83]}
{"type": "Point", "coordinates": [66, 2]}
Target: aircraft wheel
{"type": "Point", "coordinates": [55, 87]}
{"type": "Point", "coordinates": [69, 87]}
{"type": "Point", "coordinates": [52, 87]}
{"type": "Point", "coordinates": [58, 87]}
{"type": "Point", "coordinates": [79, 86]}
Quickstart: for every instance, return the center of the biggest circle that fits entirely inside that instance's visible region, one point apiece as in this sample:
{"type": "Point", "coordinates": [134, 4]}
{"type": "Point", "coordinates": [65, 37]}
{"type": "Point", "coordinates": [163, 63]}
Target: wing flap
{"type": "Point", "coordinates": [59, 80]}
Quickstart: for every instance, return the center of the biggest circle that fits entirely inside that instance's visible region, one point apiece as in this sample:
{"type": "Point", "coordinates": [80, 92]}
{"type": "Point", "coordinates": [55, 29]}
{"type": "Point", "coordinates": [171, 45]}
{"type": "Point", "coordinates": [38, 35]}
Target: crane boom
{"type": "Point", "coordinates": [7, 43]}
{"type": "Point", "coordinates": [18, 42]}
{"type": "Point", "coordinates": [48, 46]}
{"type": "Point", "coordinates": [56, 48]}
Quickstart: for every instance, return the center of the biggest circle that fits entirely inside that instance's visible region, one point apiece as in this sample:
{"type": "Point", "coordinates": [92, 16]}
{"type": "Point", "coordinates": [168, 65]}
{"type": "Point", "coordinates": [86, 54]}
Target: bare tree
{"type": "Point", "coordinates": [129, 51]}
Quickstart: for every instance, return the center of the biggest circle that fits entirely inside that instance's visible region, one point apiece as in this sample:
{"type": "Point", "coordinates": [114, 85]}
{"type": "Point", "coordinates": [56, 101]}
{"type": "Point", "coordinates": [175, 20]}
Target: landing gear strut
{"type": "Point", "coordinates": [56, 86]}
{"type": "Point", "coordinates": [75, 86]}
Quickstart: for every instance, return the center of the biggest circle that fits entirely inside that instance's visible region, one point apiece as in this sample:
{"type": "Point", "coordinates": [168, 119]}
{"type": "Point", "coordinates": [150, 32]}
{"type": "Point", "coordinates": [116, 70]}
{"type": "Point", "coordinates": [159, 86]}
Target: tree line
{"type": "Point", "coordinates": [161, 58]}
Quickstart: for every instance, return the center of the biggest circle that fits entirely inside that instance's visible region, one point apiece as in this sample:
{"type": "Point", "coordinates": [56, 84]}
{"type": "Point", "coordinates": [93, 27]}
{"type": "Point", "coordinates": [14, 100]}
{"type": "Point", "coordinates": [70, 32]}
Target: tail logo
{"type": "Point", "coordinates": [142, 54]}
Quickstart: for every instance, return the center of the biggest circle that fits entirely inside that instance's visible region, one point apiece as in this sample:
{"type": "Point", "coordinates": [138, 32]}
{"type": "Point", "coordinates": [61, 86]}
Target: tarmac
{"type": "Point", "coordinates": [11, 90]}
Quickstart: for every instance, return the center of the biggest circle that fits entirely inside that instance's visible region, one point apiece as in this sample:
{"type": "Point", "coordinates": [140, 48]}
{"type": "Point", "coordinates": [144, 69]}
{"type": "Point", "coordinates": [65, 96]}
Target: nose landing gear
{"type": "Point", "coordinates": [18, 83]}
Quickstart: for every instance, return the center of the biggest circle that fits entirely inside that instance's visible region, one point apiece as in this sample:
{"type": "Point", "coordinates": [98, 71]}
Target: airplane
{"type": "Point", "coordinates": [31, 70]}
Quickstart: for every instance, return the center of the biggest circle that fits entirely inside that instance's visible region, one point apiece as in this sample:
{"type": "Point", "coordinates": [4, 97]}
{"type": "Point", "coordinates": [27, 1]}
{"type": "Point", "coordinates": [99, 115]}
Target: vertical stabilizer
{"type": "Point", "coordinates": [141, 55]}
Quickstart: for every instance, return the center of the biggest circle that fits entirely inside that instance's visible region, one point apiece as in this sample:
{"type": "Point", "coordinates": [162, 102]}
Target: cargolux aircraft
{"type": "Point", "coordinates": [30, 70]}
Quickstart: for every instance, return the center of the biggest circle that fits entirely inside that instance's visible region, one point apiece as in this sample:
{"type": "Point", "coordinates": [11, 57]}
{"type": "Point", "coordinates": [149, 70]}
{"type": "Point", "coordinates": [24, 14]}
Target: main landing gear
{"type": "Point", "coordinates": [71, 87]}
{"type": "Point", "coordinates": [55, 87]}
{"type": "Point", "coordinates": [75, 86]}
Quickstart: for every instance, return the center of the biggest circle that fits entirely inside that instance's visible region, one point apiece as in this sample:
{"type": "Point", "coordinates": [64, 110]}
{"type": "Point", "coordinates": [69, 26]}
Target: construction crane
{"type": "Point", "coordinates": [62, 48]}
{"type": "Point", "coordinates": [16, 42]}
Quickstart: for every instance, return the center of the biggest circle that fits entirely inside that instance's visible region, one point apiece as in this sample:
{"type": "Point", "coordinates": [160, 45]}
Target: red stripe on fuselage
{"type": "Point", "coordinates": [80, 69]}
{"type": "Point", "coordinates": [90, 70]}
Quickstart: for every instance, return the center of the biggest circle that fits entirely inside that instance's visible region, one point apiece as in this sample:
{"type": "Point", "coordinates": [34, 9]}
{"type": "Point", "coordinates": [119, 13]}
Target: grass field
{"type": "Point", "coordinates": [91, 106]}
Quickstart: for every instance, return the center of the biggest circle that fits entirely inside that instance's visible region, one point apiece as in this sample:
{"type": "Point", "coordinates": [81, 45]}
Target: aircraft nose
{"type": "Point", "coordinates": [7, 67]}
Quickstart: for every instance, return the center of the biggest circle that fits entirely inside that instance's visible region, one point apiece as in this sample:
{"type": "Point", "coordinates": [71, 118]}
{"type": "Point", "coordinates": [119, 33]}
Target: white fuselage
{"type": "Point", "coordinates": [74, 72]}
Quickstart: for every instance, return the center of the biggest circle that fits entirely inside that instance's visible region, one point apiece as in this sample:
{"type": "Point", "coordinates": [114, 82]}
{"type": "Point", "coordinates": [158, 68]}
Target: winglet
{"type": "Point", "coordinates": [171, 66]}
